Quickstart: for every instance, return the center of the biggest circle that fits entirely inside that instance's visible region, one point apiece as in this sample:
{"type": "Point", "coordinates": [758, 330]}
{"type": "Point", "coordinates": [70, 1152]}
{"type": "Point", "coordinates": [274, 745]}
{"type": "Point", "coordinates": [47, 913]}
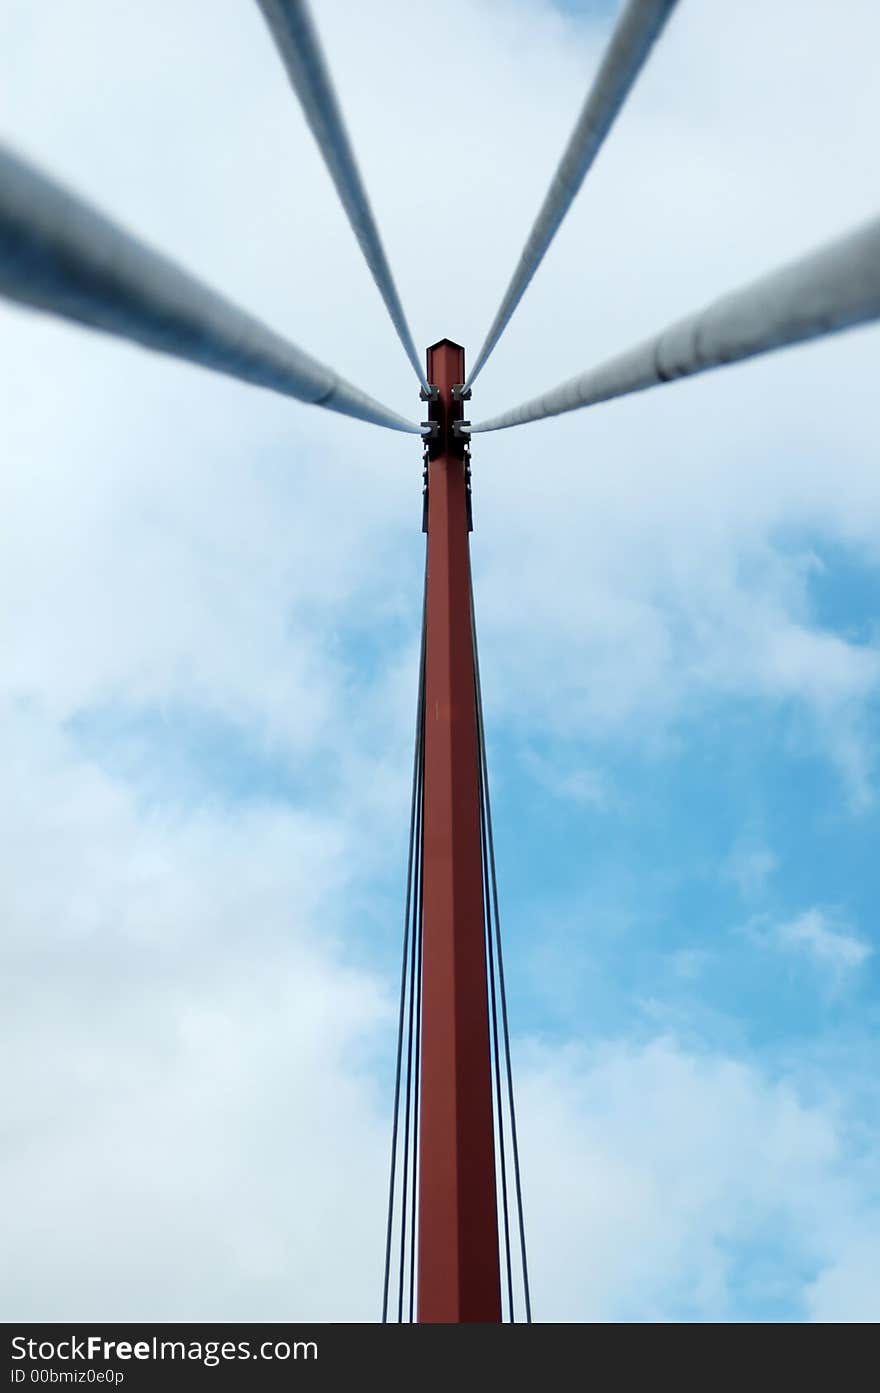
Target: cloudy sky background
{"type": "Point", "coordinates": [210, 611]}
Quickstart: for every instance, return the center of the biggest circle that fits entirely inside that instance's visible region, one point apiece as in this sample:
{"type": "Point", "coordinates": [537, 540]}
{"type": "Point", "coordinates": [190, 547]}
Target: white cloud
{"type": "Point", "coordinates": [195, 1073]}
{"type": "Point", "coordinates": [628, 584]}
{"type": "Point", "coordinates": [195, 1048]}
{"type": "Point", "coordinates": [688, 963]}
{"type": "Point", "coordinates": [820, 937]}
{"type": "Point", "coordinates": [848, 1290]}
{"type": "Point", "coordinates": [662, 1169]}
{"type": "Point", "coordinates": [750, 867]}
{"type": "Point", "coordinates": [566, 777]}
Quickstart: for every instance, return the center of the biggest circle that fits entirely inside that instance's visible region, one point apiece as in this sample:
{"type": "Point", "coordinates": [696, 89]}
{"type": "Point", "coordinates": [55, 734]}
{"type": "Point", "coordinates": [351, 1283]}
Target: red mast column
{"type": "Point", "coordinates": [459, 1277]}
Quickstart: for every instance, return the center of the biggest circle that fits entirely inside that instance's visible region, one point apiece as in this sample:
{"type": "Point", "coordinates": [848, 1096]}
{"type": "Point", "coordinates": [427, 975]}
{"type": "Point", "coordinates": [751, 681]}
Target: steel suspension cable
{"type": "Point", "coordinates": [417, 955]}
{"type": "Point", "coordinates": [502, 991]}
{"type": "Point", "coordinates": [493, 1030]}
{"type": "Point", "coordinates": [412, 1064]}
{"type": "Point", "coordinates": [59, 254]}
{"type": "Point", "coordinates": [490, 966]}
{"type": "Point", "coordinates": [632, 40]}
{"type": "Point", "coordinates": [410, 899]}
{"type": "Point", "coordinates": [296, 37]}
{"type": "Point", "coordinates": [835, 288]}
{"type": "Point", "coordinates": [410, 1006]}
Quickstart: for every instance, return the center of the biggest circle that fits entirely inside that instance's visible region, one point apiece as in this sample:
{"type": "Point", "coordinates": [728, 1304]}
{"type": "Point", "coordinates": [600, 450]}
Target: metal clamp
{"type": "Point", "coordinates": [461, 430]}
{"type": "Point", "coordinates": [461, 392]}
{"type": "Point", "coordinates": [432, 394]}
{"type": "Point", "coordinates": [430, 430]}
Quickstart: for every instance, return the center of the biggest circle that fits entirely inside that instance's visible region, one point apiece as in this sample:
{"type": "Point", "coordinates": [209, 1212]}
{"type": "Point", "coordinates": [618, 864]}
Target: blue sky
{"type": "Point", "coordinates": [208, 705]}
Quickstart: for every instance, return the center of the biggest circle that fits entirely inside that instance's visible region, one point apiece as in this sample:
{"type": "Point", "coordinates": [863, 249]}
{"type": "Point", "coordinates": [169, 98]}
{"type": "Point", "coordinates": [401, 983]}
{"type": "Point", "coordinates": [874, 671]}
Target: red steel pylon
{"type": "Point", "coordinates": [458, 1263]}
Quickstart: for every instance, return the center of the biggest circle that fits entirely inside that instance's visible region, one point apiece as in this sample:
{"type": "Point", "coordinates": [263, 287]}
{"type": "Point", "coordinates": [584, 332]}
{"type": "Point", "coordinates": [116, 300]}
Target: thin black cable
{"type": "Point", "coordinates": [417, 764]}
{"type": "Point", "coordinates": [402, 1016]}
{"type": "Point", "coordinates": [506, 1034]}
{"type": "Point", "coordinates": [493, 1016]}
{"type": "Point", "coordinates": [409, 1078]}
{"type": "Point", "coordinates": [412, 959]}
{"type": "Point", "coordinates": [503, 993]}
{"type": "Point", "coordinates": [493, 1002]}
{"type": "Point", "coordinates": [417, 950]}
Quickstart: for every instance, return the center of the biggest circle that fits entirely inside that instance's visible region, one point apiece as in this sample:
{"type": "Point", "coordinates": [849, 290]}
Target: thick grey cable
{"type": "Point", "coordinates": [632, 40]}
{"type": "Point", "coordinates": [59, 254]}
{"type": "Point", "coordinates": [296, 37]}
{"type": "Point", "coordinates": [835, 288]}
